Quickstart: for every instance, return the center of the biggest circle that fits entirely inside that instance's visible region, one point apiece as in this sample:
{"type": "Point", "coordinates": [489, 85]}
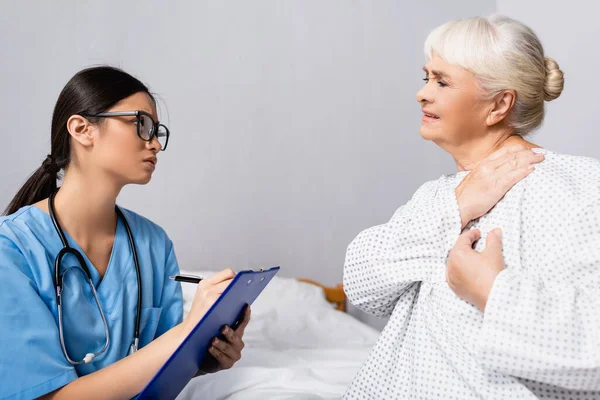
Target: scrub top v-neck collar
{"type": "Point", "coordinates": [108, 286]}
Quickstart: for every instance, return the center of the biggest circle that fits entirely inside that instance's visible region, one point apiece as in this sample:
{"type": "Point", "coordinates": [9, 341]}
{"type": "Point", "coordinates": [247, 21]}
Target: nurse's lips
{"type": "Point", "coordinates": [151, 160]}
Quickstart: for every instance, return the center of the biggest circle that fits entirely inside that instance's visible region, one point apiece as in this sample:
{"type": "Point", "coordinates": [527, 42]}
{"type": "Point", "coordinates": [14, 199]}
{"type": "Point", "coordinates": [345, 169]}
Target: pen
{"type": "Point", "coordinates": [186, 278]}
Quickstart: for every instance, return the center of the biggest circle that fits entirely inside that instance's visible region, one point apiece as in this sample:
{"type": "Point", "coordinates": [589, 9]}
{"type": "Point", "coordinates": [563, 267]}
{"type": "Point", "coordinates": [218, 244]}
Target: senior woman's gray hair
{"type": "Point", "coordinates": [502, 54]}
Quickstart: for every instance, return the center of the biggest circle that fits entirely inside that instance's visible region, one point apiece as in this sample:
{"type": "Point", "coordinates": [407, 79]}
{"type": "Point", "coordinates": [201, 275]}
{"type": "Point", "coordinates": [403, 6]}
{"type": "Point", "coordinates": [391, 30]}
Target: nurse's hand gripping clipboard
{"type": "Point", "coordinates": [185, 361]}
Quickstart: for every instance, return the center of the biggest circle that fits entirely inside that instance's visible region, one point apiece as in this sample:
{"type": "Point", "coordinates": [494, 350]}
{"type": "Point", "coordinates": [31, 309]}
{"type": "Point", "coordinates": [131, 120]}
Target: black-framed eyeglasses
{"type": "Point", "coordinates": [147, 128]}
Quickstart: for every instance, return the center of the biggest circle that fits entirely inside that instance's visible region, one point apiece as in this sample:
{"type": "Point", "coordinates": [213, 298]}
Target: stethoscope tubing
{"type": "Point", "coordinates": [58, 283]}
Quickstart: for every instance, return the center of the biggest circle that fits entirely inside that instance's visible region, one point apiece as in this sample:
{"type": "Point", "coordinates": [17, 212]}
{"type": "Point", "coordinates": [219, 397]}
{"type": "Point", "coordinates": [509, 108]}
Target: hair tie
{"type": "Point", "coordinates": [50, 167]}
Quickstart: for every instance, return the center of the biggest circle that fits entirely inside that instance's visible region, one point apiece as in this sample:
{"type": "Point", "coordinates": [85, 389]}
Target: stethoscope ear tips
{"type": "Point", "coordinates": [88, 358]}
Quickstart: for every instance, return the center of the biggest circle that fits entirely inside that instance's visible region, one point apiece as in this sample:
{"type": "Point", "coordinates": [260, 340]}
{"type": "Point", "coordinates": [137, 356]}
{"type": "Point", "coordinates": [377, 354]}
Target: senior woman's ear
{"type": "Point", "coordinates": [501, 105]}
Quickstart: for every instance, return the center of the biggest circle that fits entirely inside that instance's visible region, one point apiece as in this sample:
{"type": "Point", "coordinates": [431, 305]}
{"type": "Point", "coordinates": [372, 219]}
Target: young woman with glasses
{"type": "Point", "coordinates": [67, 323]}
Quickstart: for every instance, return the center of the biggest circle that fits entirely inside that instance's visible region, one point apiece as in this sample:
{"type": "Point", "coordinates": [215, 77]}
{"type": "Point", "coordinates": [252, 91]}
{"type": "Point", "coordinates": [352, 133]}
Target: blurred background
{"type": "Point", "coordinates": [294, 122]}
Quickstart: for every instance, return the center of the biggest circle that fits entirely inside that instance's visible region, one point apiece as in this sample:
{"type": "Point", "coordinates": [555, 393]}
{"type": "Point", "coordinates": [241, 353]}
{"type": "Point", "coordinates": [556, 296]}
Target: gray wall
{"type": "Point", "coordinates": [570, 34]}
{"type": "Point", "coordinates": [294, 123]}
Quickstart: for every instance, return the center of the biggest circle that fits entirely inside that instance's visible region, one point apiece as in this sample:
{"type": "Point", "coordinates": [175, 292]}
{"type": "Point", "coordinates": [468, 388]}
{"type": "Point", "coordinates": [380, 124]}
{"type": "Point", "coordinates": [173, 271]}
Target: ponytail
{"type": "Point", "coordinates": [91, 91]}
{"type": "Point", "coordinates": [40, 185]}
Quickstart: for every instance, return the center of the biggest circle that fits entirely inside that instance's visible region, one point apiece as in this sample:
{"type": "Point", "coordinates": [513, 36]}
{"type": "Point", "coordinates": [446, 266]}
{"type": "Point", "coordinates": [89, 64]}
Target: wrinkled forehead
{"type": "Point", "coordinates": [437, 67]}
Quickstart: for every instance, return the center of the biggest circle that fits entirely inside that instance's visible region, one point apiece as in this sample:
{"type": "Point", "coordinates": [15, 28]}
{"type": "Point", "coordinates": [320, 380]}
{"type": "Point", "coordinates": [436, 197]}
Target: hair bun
{"type": "Point", "coordinates": [554, 82]}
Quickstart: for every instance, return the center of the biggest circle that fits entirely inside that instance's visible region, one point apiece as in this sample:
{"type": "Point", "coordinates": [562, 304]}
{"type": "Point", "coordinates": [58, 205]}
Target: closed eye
{"type": "Point", "coordinates": [440, 83]}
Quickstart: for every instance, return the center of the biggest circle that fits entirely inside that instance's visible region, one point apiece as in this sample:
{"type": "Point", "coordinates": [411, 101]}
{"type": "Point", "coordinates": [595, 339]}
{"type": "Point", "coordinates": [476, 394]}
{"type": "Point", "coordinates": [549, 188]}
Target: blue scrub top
{"type": "Point", "coordinates": [31, 359]}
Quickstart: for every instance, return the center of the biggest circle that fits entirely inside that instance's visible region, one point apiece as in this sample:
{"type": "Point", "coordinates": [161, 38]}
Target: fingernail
{"type": "Point", "coordinates": [226, 330]}
{"type": "Point", "coordinates": [216, 341]}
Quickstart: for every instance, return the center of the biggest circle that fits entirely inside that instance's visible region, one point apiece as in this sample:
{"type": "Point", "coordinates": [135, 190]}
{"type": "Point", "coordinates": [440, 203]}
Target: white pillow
{"type": "Point", "coordinates": [281, 294]}
{"type": "Point", "coordinates": [290, 314]}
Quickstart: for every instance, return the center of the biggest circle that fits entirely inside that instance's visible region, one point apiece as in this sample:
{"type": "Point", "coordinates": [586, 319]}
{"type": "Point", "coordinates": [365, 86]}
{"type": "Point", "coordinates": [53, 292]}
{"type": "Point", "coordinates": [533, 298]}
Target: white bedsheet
{"type": "Point", "coordinates": [297, 347]}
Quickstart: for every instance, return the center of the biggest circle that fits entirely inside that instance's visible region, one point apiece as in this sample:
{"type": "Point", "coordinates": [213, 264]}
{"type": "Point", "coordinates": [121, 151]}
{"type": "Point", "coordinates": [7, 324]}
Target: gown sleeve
{"type": "Point", "coordinates": [385, 261]}
{"type": "Point", "coordinates": [542, 329]}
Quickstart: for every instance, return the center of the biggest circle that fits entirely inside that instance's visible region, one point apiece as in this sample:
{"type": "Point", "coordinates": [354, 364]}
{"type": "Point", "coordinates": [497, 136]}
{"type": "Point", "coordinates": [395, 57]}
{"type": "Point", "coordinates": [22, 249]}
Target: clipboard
{"type": "Point", "coordinates": [185, 361]}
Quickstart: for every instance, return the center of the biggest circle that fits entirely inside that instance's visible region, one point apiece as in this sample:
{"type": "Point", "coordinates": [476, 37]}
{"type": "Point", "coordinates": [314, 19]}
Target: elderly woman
{"type": "Point", "coordinates": [490, 276]}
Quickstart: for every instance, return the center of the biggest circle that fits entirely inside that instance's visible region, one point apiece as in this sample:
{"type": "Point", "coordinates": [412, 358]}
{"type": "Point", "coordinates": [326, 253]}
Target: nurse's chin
{"type": "Point", "coordinates": [142, 180]}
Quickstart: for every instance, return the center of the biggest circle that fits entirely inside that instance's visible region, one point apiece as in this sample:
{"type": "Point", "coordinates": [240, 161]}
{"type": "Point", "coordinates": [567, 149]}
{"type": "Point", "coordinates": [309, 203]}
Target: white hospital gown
{"type": "Point", "coordinates": [540, 334]}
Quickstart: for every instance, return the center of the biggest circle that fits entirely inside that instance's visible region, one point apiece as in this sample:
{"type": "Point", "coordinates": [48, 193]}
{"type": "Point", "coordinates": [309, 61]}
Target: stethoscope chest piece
{"type": "Point", "coordinates": [59, 281]}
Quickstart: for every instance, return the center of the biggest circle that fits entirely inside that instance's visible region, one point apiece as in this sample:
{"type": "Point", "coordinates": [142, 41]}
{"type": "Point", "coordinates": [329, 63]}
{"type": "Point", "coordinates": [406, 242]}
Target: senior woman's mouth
{"type": "Point", "coordinates": [429, 116]}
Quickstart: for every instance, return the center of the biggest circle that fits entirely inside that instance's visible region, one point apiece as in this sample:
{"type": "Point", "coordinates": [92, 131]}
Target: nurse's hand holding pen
{"type": "Point", "coordinates": [128, 376]}
{"type": "Point", "coordinates": [224, 353]}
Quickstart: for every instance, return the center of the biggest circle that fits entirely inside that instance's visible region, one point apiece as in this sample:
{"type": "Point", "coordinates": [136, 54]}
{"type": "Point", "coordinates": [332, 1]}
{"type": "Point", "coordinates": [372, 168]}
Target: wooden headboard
{"type": "Point", "coordinates": [333, 294]}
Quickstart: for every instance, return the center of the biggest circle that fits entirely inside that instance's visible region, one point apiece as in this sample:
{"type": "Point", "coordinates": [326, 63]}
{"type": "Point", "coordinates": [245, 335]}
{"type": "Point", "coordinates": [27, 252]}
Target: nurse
{"type": "Point", "coordinates": [105, 134]}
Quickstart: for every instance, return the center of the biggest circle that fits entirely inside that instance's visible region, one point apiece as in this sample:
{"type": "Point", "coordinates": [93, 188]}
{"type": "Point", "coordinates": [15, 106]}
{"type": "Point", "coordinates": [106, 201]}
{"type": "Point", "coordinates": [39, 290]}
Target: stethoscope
{"type": "Point", "coordinates": [58, 284]}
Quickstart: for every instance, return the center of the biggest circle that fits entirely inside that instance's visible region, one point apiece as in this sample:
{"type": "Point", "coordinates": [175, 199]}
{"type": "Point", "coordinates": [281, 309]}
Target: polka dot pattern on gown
{"type": "Point", "coordinates": [540, 334]}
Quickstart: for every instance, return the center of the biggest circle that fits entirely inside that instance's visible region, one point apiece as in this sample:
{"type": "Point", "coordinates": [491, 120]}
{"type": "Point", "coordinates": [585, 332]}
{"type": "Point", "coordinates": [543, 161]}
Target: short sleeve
{"type": "Point", "coordinates": [31, 359]}
{"type": "Point", "coordinates": [171, 300]}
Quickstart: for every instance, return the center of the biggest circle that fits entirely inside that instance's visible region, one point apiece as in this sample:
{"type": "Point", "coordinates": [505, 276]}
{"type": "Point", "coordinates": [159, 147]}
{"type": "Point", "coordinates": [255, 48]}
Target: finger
{"type": "Point", "coordinates": [529, 157]}
{"type": "Point", "coordinates": [516, 160]}
{"type": "Point", "coordinates": [224, 352]}
{"type": "Point", "coordinates": [493, 242]}
{"type": "Point", "coordinates": [232, 337]}
{"type": "Point", "coordinates": [220, 288]}
{"type": "Point", "coordinates": [208, 295]}
{"type": "Point", "coordinates": [505, 150]}
{"type": "Point", "coordinates": [511, 178]}
{"type": "Point", "coordinates": [224, 361]}
{"type": "Point", "coordinates": [222, 346]}
{"type": "Point", "coordinates": [233, 351]}
{"type": "Point", "coordinates": [247, 314]}
{"type": "Point", "coordinates": [467, 238]}
{"type": "Point", "coordinates": [224, 275]}
{"type": "Point", "coordinates": [211, 292]}
{"type": "Point", "coordinates": [498, 153]}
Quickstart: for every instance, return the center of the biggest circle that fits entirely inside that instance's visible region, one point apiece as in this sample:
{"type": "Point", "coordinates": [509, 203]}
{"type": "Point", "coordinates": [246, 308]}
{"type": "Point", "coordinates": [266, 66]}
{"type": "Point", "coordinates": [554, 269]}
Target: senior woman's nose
{"type": "Point", "coordinates": [422, 95]}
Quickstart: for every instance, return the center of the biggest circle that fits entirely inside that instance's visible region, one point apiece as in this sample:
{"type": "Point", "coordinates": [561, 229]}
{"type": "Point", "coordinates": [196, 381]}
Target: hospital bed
{"type": "Point", "coordinates": [300, 344]}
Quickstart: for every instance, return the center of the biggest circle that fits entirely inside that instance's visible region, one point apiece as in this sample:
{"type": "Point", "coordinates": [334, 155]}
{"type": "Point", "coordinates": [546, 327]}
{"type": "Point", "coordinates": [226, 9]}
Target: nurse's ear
{"type": "Point", "coordinates": [81, 129]}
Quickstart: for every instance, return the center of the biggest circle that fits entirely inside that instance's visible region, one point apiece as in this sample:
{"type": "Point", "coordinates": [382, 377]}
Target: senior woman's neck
{"type": "Point", "coordinates": [468, 155]}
